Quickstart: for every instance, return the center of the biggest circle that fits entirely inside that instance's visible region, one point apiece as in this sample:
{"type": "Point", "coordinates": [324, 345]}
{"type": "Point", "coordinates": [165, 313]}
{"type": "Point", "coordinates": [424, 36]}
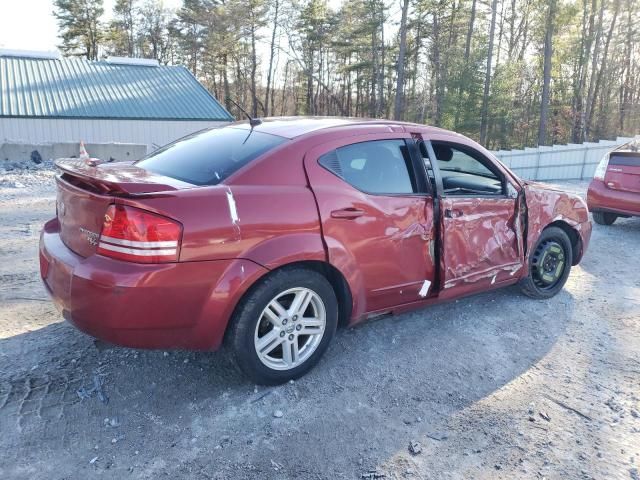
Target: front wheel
{"type": "Point", "coordinates": [549, 264]}
{"type": "Point", "coordinates": [283, 326]}
{"type": "Point", "coordinates": [604, 218]}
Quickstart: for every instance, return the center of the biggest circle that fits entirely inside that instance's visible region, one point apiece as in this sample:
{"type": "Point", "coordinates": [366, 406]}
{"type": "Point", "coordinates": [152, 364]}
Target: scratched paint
{"type": "Point", "coordinates": [233, 211]}
{"type": "Point", "coordinates": [546, 205]}
{"type": "Point", "coordinates": [480, 241]}
{"type": "Point", "coordinates": [384, 254]}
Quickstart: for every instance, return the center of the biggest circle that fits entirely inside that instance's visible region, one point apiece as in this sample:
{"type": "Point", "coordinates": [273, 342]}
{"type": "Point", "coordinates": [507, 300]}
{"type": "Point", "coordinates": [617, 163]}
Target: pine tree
{"type": "Point", "coordinates": [80, 27]}
{"type": "Point", "coordinates": [122, 29]}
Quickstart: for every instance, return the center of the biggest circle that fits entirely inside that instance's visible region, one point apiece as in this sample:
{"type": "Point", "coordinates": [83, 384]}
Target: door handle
{"type": "Point", "coordinates": [347, 213]}
{"type": "Point", "coordinates": [453, 213]}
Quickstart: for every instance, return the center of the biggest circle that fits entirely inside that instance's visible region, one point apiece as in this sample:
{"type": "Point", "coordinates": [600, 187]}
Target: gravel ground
{"type": "Point", "coordinates": [492, 386]}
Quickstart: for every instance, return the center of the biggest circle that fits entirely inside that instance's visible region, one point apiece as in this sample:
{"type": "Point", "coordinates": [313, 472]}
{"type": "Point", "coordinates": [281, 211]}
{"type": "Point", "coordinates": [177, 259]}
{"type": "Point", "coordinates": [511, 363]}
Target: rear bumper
{"type": "Point", "coordinates": [172, 305]}
{"type": "Point", "coordinates": [603, 199]}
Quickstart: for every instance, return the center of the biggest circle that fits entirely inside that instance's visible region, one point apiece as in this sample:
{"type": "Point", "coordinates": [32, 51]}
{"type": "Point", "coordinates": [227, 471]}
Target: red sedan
{"type": "Point", "coordinates": [269, 236]}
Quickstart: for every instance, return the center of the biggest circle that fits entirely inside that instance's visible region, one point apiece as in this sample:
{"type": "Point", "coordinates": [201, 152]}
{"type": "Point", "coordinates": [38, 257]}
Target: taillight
{"type": "Point", "coordinates": [601, 169]}
{"type": "Point", "coordinates": [136, 235]}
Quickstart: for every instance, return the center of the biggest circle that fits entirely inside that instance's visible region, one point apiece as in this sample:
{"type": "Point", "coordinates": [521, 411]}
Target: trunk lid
{"type": "Point", "coordinates": [623, 171]}
{"type": "Point", "coordinates": [85, 191]}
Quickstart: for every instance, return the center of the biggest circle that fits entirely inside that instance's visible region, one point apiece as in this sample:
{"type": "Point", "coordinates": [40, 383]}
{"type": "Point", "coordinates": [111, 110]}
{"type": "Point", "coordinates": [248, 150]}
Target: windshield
{"type": "Point", "coordinates": [210, 156]}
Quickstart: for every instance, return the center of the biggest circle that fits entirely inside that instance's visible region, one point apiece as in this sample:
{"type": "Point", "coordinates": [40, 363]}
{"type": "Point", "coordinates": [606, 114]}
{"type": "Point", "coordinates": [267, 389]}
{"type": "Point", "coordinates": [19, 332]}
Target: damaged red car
{"type": "Point", "coordinates": [268, 236]}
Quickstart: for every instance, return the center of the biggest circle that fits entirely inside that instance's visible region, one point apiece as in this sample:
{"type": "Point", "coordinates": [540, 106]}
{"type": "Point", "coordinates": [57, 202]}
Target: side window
{"type": "Point", "coordinates": [378, 167]}
{"type": "Point", "coordinates": [464, 173]}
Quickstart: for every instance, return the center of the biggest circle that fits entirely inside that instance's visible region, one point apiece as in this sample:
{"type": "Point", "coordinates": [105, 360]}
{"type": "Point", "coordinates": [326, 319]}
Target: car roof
{"type": "Point", "coordinates": [292, 127]}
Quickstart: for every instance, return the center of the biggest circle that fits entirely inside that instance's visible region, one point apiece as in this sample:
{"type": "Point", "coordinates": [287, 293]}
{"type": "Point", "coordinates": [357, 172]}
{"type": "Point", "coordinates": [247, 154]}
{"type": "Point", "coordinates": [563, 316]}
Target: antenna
{"type": "Point", "coordinates": [254, 122]}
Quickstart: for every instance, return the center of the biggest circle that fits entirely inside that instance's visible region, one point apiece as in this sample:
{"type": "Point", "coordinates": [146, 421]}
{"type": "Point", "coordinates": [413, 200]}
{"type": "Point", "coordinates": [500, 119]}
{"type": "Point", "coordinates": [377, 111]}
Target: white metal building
{"type": "Point", "coordinates": [48, 99]}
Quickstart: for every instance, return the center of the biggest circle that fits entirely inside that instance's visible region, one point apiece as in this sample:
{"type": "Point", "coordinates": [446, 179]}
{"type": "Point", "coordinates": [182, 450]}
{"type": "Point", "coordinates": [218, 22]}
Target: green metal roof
{"type": "Point", "coordinates": [78, 88]}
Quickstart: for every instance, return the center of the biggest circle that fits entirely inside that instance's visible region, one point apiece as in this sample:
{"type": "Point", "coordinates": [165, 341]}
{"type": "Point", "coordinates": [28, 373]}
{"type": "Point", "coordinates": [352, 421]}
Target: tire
{"type": "Point", "coordinates": [549, 264]}
{"type": "Point", "coordinates": [256, 324]}
{"type": "Point", "coordinates": [604, 218]}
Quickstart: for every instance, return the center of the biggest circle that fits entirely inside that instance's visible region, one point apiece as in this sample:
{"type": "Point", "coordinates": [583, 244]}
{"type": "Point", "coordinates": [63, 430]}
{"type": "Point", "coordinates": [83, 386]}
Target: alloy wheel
{"type": "Point", "coordinates": [290, 328]}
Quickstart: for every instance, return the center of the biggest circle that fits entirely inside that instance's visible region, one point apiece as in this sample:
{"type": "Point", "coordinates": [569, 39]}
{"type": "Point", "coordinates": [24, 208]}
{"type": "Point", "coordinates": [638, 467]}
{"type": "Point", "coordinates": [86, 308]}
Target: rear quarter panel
{"type": "Point", "coordinates": [269, 225]}
{"type": "Point", "coordinates": [259, 223]}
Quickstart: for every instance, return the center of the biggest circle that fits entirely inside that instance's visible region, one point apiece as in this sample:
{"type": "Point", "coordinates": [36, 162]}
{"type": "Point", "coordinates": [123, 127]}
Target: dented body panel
{"type": "Point", "coordinates": [380, 243]}
{"type": "Point", "coordinates": [389, 252]}
{"type": "Point", "coordinates": [480, 244]}
{"type": "Point", "coordinates": [547, 205]}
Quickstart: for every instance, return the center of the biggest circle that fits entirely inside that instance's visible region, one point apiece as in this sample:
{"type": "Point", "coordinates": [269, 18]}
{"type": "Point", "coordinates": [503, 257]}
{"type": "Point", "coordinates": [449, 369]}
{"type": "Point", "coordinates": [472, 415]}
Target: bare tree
{"type": "Point", "coordinates": [399, 101]}
{"type": "Point", "coordinates": [272, 52]}
{"type": "Point", "coordinates": [487, 78]}
{"type": "Point", "coordinates": [546, 74]}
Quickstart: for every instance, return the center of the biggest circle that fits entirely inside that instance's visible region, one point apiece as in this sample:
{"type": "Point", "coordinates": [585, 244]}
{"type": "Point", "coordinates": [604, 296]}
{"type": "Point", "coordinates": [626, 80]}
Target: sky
{"type": "Point", "coordinates": [30, 25]}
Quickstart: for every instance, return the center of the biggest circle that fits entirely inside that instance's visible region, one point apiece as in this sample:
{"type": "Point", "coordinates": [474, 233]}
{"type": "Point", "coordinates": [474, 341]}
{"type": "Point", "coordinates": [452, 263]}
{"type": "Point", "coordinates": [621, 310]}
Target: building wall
{"type": "Point", "coordinates": [153, 133]}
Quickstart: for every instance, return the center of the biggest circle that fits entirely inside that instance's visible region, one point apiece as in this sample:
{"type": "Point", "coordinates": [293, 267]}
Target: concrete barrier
{"type": "Point", "coordinates": [13, 152]}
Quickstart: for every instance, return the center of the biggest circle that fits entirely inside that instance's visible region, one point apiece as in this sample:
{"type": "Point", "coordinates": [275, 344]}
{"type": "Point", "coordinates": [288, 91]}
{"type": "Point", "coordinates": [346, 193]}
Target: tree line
{"type": "Point", "coordinates": [509, 73]}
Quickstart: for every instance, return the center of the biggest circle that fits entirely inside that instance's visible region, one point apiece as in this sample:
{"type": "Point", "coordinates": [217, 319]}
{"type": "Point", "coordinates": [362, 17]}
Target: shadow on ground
{"type": "Point", "coordinates": [380, 386]}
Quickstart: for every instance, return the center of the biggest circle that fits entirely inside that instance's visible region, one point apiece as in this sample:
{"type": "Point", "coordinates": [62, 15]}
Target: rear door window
{"type": "Point", "coordinates": [208, 157]}
{"type": "Point", "coordinates": [378, 167]}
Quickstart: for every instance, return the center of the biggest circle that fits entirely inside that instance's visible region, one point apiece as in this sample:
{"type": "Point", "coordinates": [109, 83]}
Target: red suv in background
{"type": "Point", "coordinates": [268, 235]}
{"type": "Point", "coordinates": [615, 189]}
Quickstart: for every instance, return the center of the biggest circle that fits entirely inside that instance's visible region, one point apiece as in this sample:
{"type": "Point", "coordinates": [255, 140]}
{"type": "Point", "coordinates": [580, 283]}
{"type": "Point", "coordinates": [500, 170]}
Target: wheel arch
{"type": "Point", "coordinates": [337, 281]}
{"type": "Point", "coordinates": [335, 278]}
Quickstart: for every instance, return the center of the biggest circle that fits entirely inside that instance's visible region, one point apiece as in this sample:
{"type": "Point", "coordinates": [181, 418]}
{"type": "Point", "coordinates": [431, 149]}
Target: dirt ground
{"type": "Point", "coordinates": [492, 386]}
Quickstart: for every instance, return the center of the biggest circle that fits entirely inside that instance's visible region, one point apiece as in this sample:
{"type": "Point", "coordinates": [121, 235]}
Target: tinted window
{"type": "Point", "coordinates": [625, 159]}
{"type": "Point", "coordinates": [207, 158]}
{"type": "Point", "coordinates": [381, 166]}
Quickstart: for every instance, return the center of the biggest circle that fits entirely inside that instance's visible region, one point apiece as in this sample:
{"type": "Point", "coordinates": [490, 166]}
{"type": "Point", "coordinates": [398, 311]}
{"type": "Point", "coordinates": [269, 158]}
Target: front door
{"type": "Point", "coordinates": [481, 227]}
{"type": "Point", "coordinates": [377, 218]}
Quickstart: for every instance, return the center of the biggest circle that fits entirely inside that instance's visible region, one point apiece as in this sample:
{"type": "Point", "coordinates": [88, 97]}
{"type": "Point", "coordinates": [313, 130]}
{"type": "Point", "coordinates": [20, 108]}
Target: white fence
{"type": "Point", "coordinates": [558, 162]}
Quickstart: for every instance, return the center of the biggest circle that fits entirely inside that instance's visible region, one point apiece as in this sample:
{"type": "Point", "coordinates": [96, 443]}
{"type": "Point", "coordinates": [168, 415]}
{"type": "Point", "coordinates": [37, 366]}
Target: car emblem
{"type": "Point", "coordinates": [91, 237]}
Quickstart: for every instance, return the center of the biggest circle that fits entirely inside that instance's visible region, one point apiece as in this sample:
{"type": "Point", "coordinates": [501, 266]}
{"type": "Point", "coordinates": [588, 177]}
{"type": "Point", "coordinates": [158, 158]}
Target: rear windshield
{"type": "Point", "coordinates": [208, 157]}
{"type": "Point", "coordinates": [629, 159]}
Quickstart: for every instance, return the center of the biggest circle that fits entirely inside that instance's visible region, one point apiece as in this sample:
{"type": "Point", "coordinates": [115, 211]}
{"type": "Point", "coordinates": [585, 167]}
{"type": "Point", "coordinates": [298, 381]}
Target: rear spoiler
{"type": "Point", "coordinates": [117, 177]}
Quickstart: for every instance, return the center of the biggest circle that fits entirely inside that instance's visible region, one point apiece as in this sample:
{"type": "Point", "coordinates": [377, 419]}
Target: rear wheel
{"type": "Point", "coordinates": [283, 326]}
{"type": "Point", "coordinates": [549, 264]}
{"type": "Point", "coordinates": [604, 218]}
